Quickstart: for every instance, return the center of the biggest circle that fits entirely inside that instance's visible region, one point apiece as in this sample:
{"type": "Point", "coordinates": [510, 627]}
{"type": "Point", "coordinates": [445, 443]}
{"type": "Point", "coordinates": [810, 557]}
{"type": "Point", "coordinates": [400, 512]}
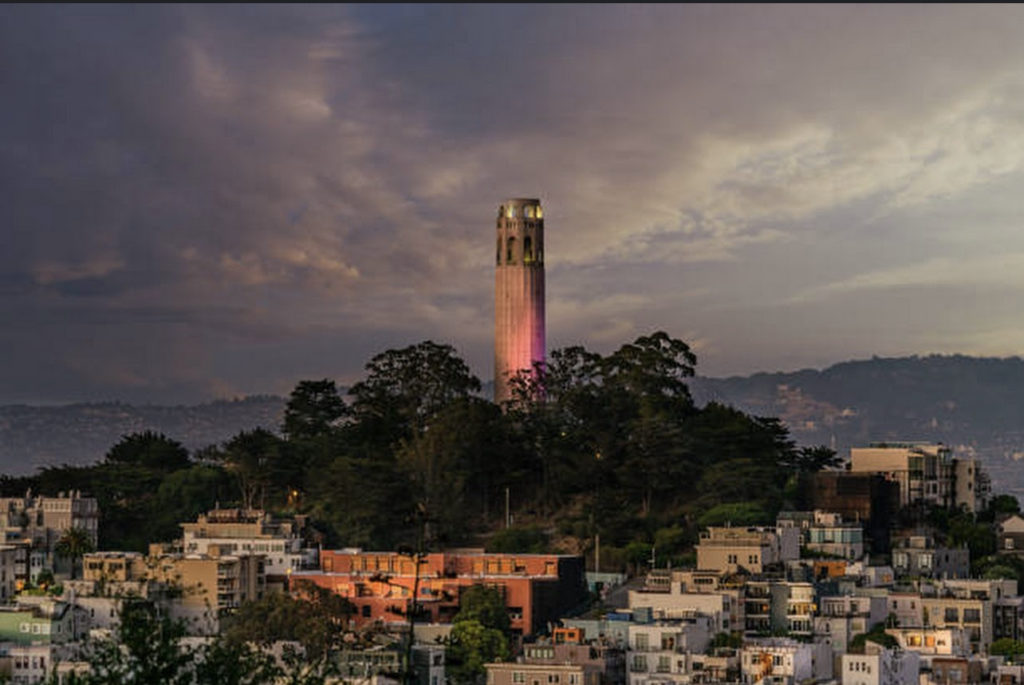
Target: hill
{"type": "Point", "coordinates": [80, 434]}
{"type": "Point", "coordinates": [974, 404]}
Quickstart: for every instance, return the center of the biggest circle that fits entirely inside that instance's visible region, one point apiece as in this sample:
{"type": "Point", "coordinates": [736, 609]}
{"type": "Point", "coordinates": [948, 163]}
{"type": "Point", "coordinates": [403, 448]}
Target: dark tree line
{"type": "Point", "coordinates": [590, 444]}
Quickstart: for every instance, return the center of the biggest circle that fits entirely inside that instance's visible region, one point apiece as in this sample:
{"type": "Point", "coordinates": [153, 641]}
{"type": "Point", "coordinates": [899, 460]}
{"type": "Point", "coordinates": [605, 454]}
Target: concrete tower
{"type": "Point", "coordinates": [518, 291]}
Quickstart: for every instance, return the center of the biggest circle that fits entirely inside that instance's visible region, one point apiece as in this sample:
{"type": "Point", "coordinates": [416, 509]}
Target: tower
{"type": "Point", "coordinates": [518, 291]}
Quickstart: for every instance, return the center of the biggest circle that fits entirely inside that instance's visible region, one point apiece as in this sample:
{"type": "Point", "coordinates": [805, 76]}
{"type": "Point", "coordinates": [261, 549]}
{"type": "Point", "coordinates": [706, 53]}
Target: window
{"type": "Point", "coordinates": [951, 615]}
{"type": "Point", "coordinates": [510, 251]}
{"type": "Point", "coordinates": [641, 642]}
{"type": "Point", "coordinates": [527, 250]}
{"type": "Point", "coordinates": [972, 616]}
{"type": "Point", "coordinates": [518, 677]}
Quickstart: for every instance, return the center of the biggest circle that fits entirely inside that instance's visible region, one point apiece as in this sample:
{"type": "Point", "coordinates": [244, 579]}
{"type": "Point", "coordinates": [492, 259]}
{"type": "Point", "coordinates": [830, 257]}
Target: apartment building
{"type": "Point", "coordinates": [542, 674]}
{"type": "Point", "coordinates": [842, 618]}
{"type": "Point", "coordinates": [656, 648]}
{"type": "Point", "coordinates": [35, 523]}
{"type": "Point", "coordinates": [251, 531]}
{"type": "Point", "coordinates": [918, 556]}
{"type": "Point", "coordinates": [826, 532]}
{"type": "Point", "coordinates": [931, 641]}
{"type": "Point", "coordinates": [724, 608]}
{"type": "Point", "coordinates": [972, 486]}
{"type": "Point", "coordinates": [973, 616]}
{"type": "Point", "coordinates": [783, 661]}
{"type": "Point", "coordinates": [923, 471]}
{"type": "Point", "coordinates": [753, 549]}
{"type": "Point", "coordinates": [537, 588]}
{"type": "Point", "coordinates": [774, 606]}
{"type": "Point", "coordinates": [880, 666]}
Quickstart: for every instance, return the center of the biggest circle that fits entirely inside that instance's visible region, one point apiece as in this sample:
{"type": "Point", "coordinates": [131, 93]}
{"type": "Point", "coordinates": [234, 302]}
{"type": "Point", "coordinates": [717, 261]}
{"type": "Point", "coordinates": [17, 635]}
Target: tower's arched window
{"type": "Point", "coordinates": [528, 210]}
{"type": "Point", "coordinates": [510, 212]}
{"type": "Point", "coordinates": [511, 251]}
{"type": "Point", "coordinates": [540, 255]}
{"type": "Point", "coordinates": [527, 250]}
{"type": "Point", "coordinates": [501, 211]}
{"type": "Point", "coordinates": [539, 213]}
{"type": "Point", "coordinates": [497, 252]}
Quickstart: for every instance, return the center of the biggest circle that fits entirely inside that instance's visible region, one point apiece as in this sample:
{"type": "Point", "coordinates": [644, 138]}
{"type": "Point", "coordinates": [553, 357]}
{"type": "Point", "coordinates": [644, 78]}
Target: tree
{"type": "Point", "coordinates": [73, 544]}
{"type": "Point", "coordinates": [471, 645]}
{"type": "Point", "coordinates": [315, 620]}
{"type": "Point", "coordinates": [405, 388]}
{"type": "Point", "coordinates": [314, 409]}
{"type": "Point", "coordinates": [150, 450]}
{"type": "Point", "coordinates": [253, 457]}
{"type": "Point", "coordinates": [486, 605]}
{"type": "Point", "coordinates": [479, 633]}
{"type": "Point", "coordinates": [146, 650]}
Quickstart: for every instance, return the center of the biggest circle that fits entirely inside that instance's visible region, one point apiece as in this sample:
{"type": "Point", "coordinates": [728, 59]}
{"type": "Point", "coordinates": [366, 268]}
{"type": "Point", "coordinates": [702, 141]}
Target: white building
{"type": "Point", "coordinates": [783, 661]}
{"type": "Point", "coordinates": [840, 619]}
{"type": "Point", "coordinates": [879, 666]}
{"type": "Point", "coordinates": [657, 650]}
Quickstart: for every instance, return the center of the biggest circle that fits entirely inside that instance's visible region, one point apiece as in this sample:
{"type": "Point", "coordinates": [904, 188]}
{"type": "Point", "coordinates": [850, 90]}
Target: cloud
{"type": "Point", "coordinates": [274, 173]}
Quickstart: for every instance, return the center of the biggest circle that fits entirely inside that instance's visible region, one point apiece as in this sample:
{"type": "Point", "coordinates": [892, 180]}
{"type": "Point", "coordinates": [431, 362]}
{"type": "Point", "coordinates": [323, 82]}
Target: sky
{"type": "Point", "coordinates": [210, 201]}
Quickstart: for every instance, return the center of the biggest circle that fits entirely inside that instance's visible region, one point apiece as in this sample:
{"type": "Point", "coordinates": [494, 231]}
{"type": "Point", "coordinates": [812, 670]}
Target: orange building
{"type": "Point", "coordinates": [537, 588]}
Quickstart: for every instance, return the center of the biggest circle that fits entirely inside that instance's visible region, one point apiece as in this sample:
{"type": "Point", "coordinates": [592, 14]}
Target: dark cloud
{"type": "Point", "coordinates": [213, 199]}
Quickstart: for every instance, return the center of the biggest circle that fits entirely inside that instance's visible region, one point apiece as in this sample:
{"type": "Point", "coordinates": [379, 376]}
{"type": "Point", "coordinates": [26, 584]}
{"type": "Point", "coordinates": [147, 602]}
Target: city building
{"type": "Point", "coordinates": [36, 522]}
{"type": "Point", "coordinates": [753, 549]}
{"type": "Point", "coordinates": [826, 533]}
{"type": "Point", "coordinates": [880, 666]}
{"type": "Point", "coordinates": [840, 619]}
{"type": "Point", "coordinates": [868, 498]}
{"type": "Point", "coordinates": [784, 661]}
{"type": "Point", "coordinates": [538, 588]}
{"type": "Point", "coordinates": [1010, 533]}
{"type": "Point", "coordinates": [251, 531]}
{"type": "Point", "coordinates": [972, 486]}
{"type": "Point", "coordinates": [519, 340]}
{"type": "Point", "coordinates": [923, 471]}
{"type": "Point", "coordinates": [918, 556]}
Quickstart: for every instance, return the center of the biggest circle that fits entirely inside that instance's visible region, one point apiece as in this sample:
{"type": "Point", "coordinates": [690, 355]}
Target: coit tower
{"type": "Point", "coordinates": [518, 291]}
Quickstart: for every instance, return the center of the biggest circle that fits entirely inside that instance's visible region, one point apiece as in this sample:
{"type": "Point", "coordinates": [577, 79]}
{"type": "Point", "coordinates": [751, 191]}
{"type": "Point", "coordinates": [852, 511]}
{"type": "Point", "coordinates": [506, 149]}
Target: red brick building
{"type": "Point", "coordinates": [538, 588]}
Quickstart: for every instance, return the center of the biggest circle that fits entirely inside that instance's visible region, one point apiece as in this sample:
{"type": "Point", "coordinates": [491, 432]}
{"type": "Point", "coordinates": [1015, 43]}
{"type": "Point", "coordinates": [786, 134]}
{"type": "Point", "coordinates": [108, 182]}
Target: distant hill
{"type": "Point", "coordinates": [81, 434]}
{"type": "Point", "coordinates": [974, 404]}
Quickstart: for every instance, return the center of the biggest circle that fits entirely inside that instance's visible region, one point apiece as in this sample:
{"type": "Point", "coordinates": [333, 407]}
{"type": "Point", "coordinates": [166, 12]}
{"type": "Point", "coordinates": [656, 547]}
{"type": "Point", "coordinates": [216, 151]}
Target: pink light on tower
{"type": "Point", "coordinates": [518, 291]}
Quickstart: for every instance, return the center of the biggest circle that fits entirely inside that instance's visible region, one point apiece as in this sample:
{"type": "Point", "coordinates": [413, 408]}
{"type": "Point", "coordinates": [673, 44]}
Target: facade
{"type": "Point", "coordinates": [840, 619]}
{"type": "Point", "coordinates": [542, 674]}
{"type": "Point", "coordinates": [865, 497]}
{"type": "Point", "coordinates": [519, 338]}
{"type": "Point", "coordinates": [728, 548]}
{"type": "Point", "coordinates": [918, 556]}
{"type": "Point", "coordinates": [923, 471]}
{"type": "Point", "coordinates": [930, 641]}
{"type": "Point", "coordinates": [655, 648]}
{"type": "Point", "coordinates": [36, 522]}
{"type": "Point", "coordinates": [211, 584]}
{"type": "Point", "coordinates": [538, 588]}
{"type": "Point", "coordinates": [878, 666]}
{"type": "Point", "coordinates": [1010, 538]}
{"type": "Point", "coordinates": [782, 661]}
{"type": "Point", "coordinates": [724, 608]}
{"type": "Point", "coordinates": [972, 487]}
{"type": "Point", "coordinates": [778, 606]}
{"type": "Point", "coordinates": [250, 531]}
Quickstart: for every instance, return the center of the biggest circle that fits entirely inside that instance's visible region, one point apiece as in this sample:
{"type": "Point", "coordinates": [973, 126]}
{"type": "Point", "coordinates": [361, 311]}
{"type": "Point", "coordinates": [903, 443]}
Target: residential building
{"type": "Point", "coordinates": [931, 640]}
{"type": "Point", "coordinates": [923, 471]}
{"type": "Point", "coordinates": [783, 661]}
{"type": "Point", "coordinates": [918, 556]}
{"type": "Point", "coordinates": [656, 648]}
{"type": "Point", "coordinates": [869, 498]}
{"type": "Point", "coordinates": [37, 522]}
{"type": "Point", "coordinates": [724, 608]}
{"type": "Point", "coordinates": [826, 533]}
{"type": "Point", "coordinates": [778, 606]}
{"type": "Point", "coordinates": [956, 671]}
{"type": "Point", "coordinates": [1010, 535]}
{"type": "Point", "coordinates": [880, 666]}
{"type": "Point", "coordinates": [569, 646]}
{"type": "Point", "coordinates": [753, 548]}
{"type": "Point", "coordinates": [974, 616]}
{"type": "Point", "coordinates": [972, 486]}
{"type": "Point", "coordinates": [251, 531]}
{"type": "Point", "coordinates": [840, 619]}
{"type": "Point", "coordinates": [537, 588]}
{"type": "Point", "coordinates": [542, 674]}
